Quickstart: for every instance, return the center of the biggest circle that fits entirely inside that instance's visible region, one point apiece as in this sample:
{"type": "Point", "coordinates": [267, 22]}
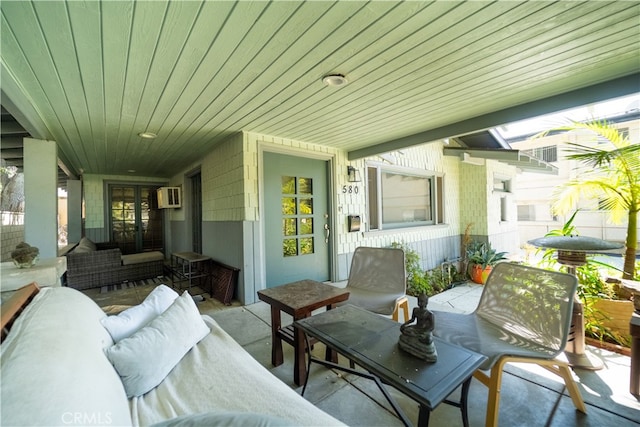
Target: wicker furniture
{"type": "Point", "coordinates": [224, 279]}
{"type": "Point", "coordinates": [98, 268]}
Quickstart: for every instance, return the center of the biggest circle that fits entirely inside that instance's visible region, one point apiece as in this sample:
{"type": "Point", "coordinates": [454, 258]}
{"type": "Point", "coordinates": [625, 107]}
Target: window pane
{"type": "Point", "coordinates": [289, 226]}
{"type": "Point", "coordinates": [406, 199]}
{"type": "Point", "coordinates": [288, 206]}
{"type": "Point", "coordinates": [306, 225]}
{"type": "Point", "coordinates": [305, 185]}
{"type": "Point", "coordinates": [289, 247]}
{"type": "Point", "coordinates": [306, 206]}
{"type": "Point", "coordinates": [288, 185]}
{"type": "Point", "coordinates": [306, 246]}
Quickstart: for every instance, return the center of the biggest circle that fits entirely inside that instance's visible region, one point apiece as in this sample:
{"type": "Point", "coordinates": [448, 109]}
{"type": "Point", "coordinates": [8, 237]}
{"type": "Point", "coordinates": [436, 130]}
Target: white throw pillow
{"type": "Point", "coordinates": [145, 358]}
{"type": "Point", "coordinates": [133, 319]}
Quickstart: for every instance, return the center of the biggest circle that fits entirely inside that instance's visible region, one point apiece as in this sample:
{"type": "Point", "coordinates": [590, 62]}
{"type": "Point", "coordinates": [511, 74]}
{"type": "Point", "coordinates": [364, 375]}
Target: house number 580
{"type": "Point", "coordinates": [351, 189]}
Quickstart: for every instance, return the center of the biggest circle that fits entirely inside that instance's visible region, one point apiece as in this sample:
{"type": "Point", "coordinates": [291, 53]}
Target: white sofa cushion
{"type": "Point", "coordinates": [132, 319]}
{"type": "Point", "coordinates": [219, 375]}
{"type": "Point", "coordinates": [145, 358]}
{"type": "Point", "coordinates": [54, 371]}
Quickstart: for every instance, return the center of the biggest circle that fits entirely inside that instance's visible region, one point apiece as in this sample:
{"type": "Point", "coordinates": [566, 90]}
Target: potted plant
{"type": "Point", "coordinates": [481, 258]}
{"type": "Point", "coordinates": [25, 255]}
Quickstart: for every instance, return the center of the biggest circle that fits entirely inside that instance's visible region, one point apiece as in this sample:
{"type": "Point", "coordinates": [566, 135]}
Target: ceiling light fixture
{"type": "Point", "coordinates": [335, 80]}
{"type": "Point", "coordinates": [147, 135]}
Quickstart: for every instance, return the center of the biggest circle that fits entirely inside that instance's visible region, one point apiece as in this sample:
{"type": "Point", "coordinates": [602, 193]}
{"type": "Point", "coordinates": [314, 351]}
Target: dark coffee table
{"type": "Point", "coordinates": [298, 299]}
{"type": "Point", "coordinates": [371, 341]}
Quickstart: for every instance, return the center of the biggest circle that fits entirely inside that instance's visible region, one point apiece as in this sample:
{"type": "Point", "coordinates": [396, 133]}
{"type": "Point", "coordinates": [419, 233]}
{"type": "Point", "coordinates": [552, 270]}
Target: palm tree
{"type": "Point", "coordinates": [609, 174]}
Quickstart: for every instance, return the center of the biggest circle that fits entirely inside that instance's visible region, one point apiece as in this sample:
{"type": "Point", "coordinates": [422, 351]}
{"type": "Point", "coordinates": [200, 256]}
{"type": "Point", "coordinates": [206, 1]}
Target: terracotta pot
{"type": "Point", "coordinates": [479, 275]}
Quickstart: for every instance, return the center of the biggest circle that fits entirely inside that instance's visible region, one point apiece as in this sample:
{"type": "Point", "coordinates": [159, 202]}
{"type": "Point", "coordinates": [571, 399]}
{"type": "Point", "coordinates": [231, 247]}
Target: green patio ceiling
{"type": "Point", "coordinates": [92, 75]}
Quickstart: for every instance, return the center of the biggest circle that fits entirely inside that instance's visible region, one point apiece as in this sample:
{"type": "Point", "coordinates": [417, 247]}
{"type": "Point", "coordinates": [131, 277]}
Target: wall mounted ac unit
{"type": "Point", "coordinates": [169, 197]}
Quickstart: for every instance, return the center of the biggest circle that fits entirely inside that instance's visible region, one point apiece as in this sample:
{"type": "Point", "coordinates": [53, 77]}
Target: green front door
{"type": "Point", "coordinates": [296, 219]}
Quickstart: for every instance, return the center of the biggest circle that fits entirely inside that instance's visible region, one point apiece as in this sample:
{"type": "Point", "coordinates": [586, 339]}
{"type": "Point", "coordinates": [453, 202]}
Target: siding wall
{"type": "Point", "coordinates": [480, 205]}
{"type": "Point", "coordinates": [93, 195]}
{"type": "Point", "coordinates": [231, 213]}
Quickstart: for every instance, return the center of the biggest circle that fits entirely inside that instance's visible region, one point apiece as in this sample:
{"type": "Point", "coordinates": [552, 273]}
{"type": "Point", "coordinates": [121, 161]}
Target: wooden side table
{"type": "Point", "coordinates": [298, 299]}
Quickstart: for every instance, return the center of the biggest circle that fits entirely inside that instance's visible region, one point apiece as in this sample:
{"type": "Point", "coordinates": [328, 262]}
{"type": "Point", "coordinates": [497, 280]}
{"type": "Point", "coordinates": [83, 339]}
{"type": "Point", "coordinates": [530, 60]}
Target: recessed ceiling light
{"type": "Point", "coordinates": [335, 80]}
{"type": "Point", "coordinates": [147, 135]}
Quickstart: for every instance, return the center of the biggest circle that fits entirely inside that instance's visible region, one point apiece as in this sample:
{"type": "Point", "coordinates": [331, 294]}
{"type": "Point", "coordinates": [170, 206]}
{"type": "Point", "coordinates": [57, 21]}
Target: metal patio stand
{"type": "Point", "coordinates": [572, 252]}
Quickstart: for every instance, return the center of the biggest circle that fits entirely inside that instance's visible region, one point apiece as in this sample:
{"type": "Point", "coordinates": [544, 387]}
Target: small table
{"type": "Point", "coordinates": [371, 341]}
{"type": "Point", "coordinates": [298, 299]}
{"type": "Point", "coordinates": [187, 266]}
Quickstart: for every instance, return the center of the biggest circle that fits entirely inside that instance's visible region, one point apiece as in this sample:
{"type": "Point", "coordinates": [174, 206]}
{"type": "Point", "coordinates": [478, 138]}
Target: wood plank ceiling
{"type": "Point", "coordinates": [92, 75]}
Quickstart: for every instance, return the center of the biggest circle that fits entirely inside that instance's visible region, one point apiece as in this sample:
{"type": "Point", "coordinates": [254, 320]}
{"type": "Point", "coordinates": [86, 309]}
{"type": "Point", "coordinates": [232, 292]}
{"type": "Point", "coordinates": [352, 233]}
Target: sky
{"type": "Point", "coordinates": [594, 111]}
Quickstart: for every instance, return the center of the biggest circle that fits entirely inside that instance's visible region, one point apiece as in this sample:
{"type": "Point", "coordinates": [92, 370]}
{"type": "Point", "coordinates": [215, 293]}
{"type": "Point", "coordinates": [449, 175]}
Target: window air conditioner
{"type": "Point", "coordinates": [169, 197]}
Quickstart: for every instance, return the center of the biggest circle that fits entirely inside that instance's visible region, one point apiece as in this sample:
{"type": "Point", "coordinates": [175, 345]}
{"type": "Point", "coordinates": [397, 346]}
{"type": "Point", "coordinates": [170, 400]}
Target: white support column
{"type": "Point", "coordinates": [74, 210]}
{"type": "Point", "coordinates": [41, 196]}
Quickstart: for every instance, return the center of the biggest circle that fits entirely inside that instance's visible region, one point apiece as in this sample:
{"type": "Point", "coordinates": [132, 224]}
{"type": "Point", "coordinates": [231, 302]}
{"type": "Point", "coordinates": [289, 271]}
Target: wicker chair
{"type": "Point", "coordinates": [524, 316]}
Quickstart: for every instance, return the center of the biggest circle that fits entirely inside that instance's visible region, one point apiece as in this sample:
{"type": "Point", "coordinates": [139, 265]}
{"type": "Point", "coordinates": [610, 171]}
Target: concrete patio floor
{"type": "Point", "coordinates": [531, 396]}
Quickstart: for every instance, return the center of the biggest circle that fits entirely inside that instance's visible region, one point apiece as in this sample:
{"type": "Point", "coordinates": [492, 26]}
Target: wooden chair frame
{"type": "Point", "coordinates": [494, 383]}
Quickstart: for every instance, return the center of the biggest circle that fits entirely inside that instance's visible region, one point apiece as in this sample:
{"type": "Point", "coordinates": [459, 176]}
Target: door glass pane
{"type": "Point", "coordinates": [293, 221]}
{"type": "Point", "coordinates": [288, 185]}
{"type": "Point", "coordinates": [289, 227]}
{"type": "Point", "coordinates": [289, 247]}
{"type": "Point", "coordinates": [288, 206]}
{"type": "Point", "coordinates": [305, 185]}
{"type": "Point", "coordinates": [306, 225]}
{"type": "Point", "coordinates": [306, 206]}
{"type": "Point", "coordinates": [136, 221]}
{"type": "Point", "coordinates": [306, 245]}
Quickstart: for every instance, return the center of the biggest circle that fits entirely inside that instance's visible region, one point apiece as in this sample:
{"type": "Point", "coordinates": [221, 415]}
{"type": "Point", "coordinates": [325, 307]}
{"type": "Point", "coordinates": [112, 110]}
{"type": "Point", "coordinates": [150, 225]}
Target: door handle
{"type": "Point", "coordinates": [326, 233]}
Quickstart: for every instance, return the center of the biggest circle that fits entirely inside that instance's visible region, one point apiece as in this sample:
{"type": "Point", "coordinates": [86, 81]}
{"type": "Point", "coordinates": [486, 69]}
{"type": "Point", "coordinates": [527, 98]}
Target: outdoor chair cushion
{"type": "Point", "coordinates": [142, 257]}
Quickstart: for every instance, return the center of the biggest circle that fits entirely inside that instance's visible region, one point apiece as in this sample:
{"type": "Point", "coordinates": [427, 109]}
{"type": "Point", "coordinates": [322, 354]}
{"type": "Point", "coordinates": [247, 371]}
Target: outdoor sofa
{"type": "Point", "coordinates": [61, 366]}
{"type": "Point", "coordinates": [90, 266]}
